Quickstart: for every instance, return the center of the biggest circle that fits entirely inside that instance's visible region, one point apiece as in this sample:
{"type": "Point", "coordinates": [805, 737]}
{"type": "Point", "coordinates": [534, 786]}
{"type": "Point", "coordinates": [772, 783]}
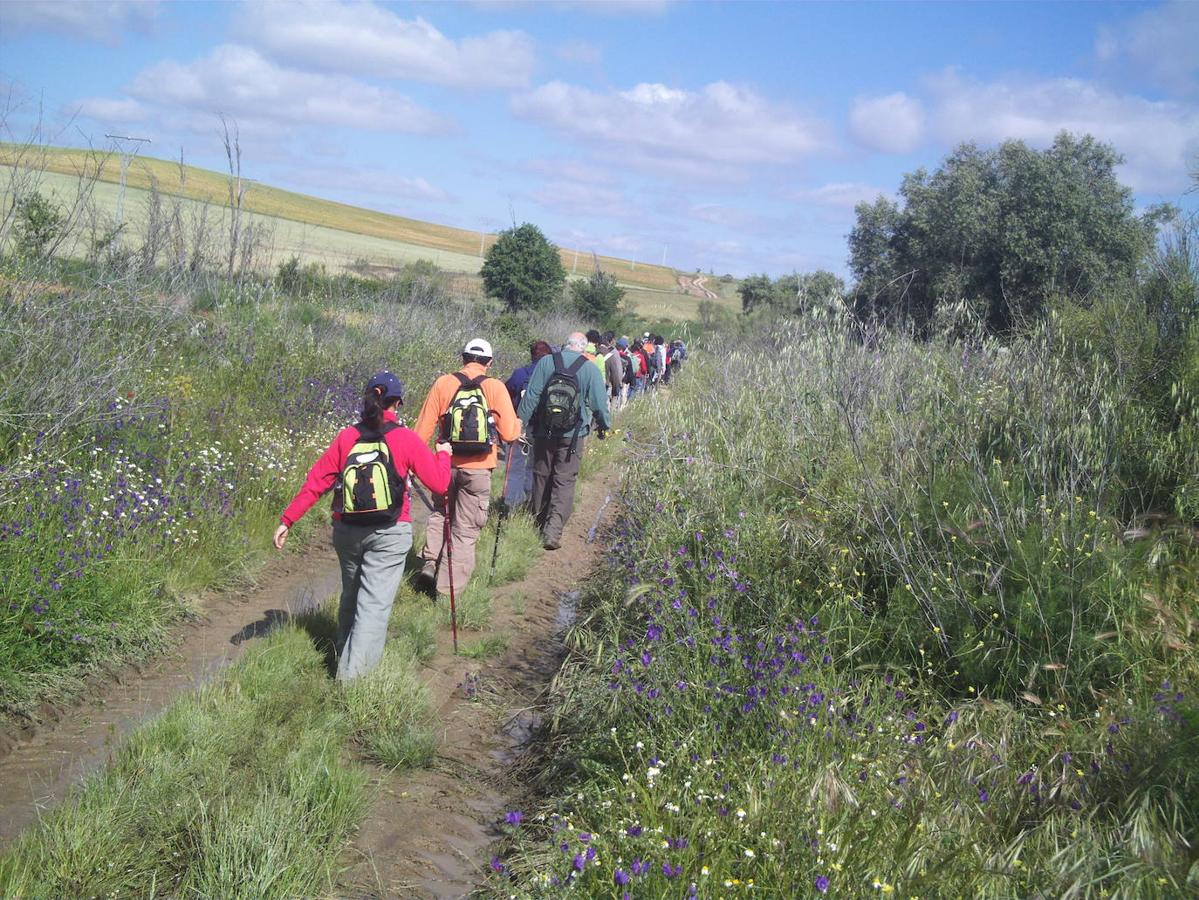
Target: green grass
{"type": "Point", "coordinates": [242, 790]}
{"type": "Point", "coordinates": [487, 647]}
{"type": "Point", "coordinates": [898, 634]}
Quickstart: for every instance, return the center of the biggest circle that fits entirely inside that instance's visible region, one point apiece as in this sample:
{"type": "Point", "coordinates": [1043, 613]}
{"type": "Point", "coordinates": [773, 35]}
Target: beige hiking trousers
{"type": "Point", "coordinates": [470, 494]}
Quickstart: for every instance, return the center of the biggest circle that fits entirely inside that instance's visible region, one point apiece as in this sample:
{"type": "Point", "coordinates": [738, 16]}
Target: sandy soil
{"type": "Point", "coordinates": [429, 832]}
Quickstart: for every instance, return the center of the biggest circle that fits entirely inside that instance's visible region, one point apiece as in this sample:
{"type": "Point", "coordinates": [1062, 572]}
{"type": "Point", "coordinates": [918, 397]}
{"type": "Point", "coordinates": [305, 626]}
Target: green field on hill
{"type": "Point", "coordinates": [336, 234]}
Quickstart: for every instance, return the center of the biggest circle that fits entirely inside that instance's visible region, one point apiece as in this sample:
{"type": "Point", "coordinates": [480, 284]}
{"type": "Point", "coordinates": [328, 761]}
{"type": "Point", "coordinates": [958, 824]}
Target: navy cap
{"type": "Point", "coordinates": [622, 344]}
{"type": "Point", "coordinates": [387, 386]}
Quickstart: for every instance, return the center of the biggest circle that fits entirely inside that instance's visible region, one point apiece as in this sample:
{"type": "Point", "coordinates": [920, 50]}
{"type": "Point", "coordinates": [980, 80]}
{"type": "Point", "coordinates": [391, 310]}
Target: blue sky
{"type": "Point", "coordinates": [734, 136]}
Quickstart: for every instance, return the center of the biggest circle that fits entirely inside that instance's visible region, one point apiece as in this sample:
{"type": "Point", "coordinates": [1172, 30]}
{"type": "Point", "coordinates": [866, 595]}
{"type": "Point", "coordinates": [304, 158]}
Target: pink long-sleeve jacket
{"type": "Point", "coordinates": [408, 451]}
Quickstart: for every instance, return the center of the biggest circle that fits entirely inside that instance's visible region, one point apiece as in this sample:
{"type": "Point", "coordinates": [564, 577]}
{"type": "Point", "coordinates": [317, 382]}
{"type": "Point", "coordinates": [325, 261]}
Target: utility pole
{"type": "Point", "coordinates": [482, 237]}
{"type": "Point", "coordinates": [575, 267]}
{"type": "Point", "coordinates": [128, 147]}
{"type": "Point", "coordinates": [664, 246]}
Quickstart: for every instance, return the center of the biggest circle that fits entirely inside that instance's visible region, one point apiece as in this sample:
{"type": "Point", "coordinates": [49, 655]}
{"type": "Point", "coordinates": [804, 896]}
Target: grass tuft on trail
{"type": "Point", "coordinates": [240, 790]}
{"type": "Point", "coordinates": [244, 789]}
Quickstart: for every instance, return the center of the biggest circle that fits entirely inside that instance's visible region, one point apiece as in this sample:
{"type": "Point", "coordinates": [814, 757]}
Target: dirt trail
{"type": "Point", "coordinates": [36, 770]}
{"type": "Point", "coordinates": [696, 287]}
{"type": "Point", "coordinates": [428, 832]}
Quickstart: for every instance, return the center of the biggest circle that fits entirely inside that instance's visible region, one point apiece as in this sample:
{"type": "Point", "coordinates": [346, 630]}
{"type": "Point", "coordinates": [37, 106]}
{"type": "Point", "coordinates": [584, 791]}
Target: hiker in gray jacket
{"type": "Point", "coordinates": [564, 395]}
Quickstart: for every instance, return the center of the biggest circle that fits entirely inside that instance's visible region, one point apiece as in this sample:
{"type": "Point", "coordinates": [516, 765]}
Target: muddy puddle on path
{"type": "Point", "coordinates": [429, 832]}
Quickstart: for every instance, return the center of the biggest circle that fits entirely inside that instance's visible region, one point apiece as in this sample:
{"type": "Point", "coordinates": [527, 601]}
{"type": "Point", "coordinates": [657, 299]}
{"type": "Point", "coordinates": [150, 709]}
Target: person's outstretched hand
{"type": "Point", "coordinates": [281, 536]}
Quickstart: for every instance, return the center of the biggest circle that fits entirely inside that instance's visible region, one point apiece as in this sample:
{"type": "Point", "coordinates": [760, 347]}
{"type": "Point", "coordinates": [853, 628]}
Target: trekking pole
{"type": "Point", "coordinates": [448, 543]}
{"type": "Point", "coordinates": [499, 525]}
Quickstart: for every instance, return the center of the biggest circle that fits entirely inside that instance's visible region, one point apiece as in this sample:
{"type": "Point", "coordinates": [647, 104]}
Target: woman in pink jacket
{"type": "Point", "coordinates": [367, 467]}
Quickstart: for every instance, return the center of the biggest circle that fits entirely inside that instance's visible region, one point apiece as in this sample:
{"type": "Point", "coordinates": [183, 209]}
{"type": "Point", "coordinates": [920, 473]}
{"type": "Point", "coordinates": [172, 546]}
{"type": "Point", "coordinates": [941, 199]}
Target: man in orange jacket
{"type": "Point", "coordinates": [470, 481]}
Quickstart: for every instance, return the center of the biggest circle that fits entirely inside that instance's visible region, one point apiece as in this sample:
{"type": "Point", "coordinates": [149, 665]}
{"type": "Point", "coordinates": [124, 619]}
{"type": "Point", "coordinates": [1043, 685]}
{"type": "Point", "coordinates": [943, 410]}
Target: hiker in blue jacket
{"type": "Point", "coordinates": [519, 479]}
{"type": "Point", "coordinates": [563, 397]}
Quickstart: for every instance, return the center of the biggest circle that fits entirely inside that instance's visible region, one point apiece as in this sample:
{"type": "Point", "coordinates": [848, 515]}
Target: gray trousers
{"type": "Point", "coordinates": [555, 471]}
{"type": "Point", "coordinates": [372, 565]}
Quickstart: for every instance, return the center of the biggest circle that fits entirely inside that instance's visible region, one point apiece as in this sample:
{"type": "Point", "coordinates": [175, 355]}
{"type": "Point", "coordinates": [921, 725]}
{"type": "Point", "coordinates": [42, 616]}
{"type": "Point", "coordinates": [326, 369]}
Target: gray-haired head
{"type": "Point", "coordinates": [576, 341]}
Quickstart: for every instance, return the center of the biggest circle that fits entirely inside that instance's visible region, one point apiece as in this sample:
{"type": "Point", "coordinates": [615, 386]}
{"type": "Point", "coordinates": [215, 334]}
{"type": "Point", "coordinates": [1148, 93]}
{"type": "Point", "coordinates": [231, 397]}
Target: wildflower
{"type": "Point", "coordinates": [496, 865]}
{"type": "Point", "coordinates": [621, 877]}
{"type": "Point", "coordinates": [749, 854]}
{"type": "Point", "coordinates": [822, 883]}
{"type": "Point", "coordinates": [514, 816]}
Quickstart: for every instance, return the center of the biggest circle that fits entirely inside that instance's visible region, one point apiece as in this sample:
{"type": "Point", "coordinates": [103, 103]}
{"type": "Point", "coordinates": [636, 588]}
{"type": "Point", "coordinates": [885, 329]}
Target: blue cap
{"type": "Point", "coordinates": [387, 386]}
{"type": "Point", "coordinates": [622, 344]}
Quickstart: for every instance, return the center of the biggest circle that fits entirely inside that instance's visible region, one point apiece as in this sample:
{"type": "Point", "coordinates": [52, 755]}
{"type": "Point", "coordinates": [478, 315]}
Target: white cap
{"type": "Point", "coordinates": [478, 347]}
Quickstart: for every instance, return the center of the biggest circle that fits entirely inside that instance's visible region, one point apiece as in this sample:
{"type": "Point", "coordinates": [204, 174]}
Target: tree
{"type": "Point", "coordinates": [755, 291]}
{"type": "Point", "coordinates": [1003, 230]}
{"type": "Point", "coordinates": [791, 294]}
{"type": "Point", "coordinates": [39, 224]}
{"type": "Point", "coordinates": [523, 269]}
{"type": "Point", "coordinates": [598, 298]}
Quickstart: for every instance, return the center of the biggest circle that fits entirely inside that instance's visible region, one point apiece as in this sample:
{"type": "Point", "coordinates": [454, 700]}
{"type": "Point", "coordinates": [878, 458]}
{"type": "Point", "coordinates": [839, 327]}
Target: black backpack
{"type": "Point", "coordinates": [561, 405]}
{"type": "Point", "coordinates": [630, 373]}
{"type": "Point", "coordinates": [369, 490]}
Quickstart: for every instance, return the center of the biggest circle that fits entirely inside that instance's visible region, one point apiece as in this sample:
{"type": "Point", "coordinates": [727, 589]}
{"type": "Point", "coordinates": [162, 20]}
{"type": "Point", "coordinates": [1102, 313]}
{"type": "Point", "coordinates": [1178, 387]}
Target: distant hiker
{"type": "Point", "coordinates": [563, 396]}
{"type": "Point", "coordinates": [659, 363]}
{"type": "Point", "coordinates": [641, 366]}
{"type": "Point", "coordinates": [473, 412]}
{"type": "Point", "coordinates": [678, 352]}
{"type": "Point", "coordinates": [629, 377]}
{"type": "Point", "coordinates": [366, 466]}
{"type": "Point", "coordinates": [520, 477]}
{"type": "Point", "coordinates": [613, 375]}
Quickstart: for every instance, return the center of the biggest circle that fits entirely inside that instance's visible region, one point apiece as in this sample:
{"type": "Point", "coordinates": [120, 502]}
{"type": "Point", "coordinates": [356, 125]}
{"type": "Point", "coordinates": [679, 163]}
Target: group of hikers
{"type": "Point", "coordinates": [539, 419]}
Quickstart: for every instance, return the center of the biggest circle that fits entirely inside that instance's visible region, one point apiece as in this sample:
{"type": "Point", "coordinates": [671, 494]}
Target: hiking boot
{"type": "Point", "coordinates": [552, 545]}
{"type": "Point", "coordinates": [425, 583]}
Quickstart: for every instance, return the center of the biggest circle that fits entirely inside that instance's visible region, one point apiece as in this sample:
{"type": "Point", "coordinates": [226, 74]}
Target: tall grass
{"type": "Point", "coordinates": [885, 617]}
{"type": "Point", "coordinates": [153, 426]}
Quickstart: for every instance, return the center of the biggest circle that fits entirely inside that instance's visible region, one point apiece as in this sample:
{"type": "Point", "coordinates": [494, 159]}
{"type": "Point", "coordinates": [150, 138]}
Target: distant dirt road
{"type": "Point", "coordinates": [694, 285]}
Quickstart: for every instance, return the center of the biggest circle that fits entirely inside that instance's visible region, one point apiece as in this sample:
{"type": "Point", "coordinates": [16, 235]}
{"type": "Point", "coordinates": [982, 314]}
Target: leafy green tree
{"type": "Point", "coordinates": [523, 269]}
{"type": "Point", "coordinates": [598, 298]}
{"type": "Point", "coordinates": [791, 294]}
{"type": "Point", "coordinates": [755, 291]}
{"type": "Point", "coordinates": [39, 224]}
{"type": "Point", "coordinates": [1003, 230]}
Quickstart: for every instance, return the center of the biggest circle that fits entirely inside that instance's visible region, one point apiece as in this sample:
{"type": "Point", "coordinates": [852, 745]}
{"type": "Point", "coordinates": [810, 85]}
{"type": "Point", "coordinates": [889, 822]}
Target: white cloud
{"type": "Point", "coordinates": [570, 170]}
{"type": "Point", "coordinates": [92, 20]}
{"type": "Point", "coordinates": [1161, 44]}
{"type": "Point", "coordinates": [839, 194]}
{"type": "Point", "coordinates": [105, 110]}
{"type": "Point", "coordinates": [576, 199]}
{"type": "Point", "coordinates": [360, 38]}
{"type": "Point", "coordinates": [581, 52]}
{"type": "Point", "coordinates": [891, 124]}
{"type": "Point", "coordinates": [1158, 138]}
{"type": "Point", "coordinates": [376, 186]}
{"type": "Point", "coordinates": [237, 81]}
{"type": "Point", "coordinates": [720, 125]}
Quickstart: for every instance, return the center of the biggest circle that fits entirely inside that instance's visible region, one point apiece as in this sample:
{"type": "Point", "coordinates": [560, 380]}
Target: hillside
{"type": "Point", "coordinates": [459, 248]}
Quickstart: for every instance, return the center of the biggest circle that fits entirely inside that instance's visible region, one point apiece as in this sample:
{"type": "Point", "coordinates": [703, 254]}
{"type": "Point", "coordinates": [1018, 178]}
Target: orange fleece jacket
{"type": "Point", "coordinates": [507, 425]}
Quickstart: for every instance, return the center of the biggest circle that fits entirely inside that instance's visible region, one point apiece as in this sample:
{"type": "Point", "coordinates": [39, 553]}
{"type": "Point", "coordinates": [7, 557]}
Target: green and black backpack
{"type": "Point", "coordinates": [370, 490]}
{"type": "Point", "coordinates": [467, 424]}
{"type": "Point", "coordinates": [561, 406]}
